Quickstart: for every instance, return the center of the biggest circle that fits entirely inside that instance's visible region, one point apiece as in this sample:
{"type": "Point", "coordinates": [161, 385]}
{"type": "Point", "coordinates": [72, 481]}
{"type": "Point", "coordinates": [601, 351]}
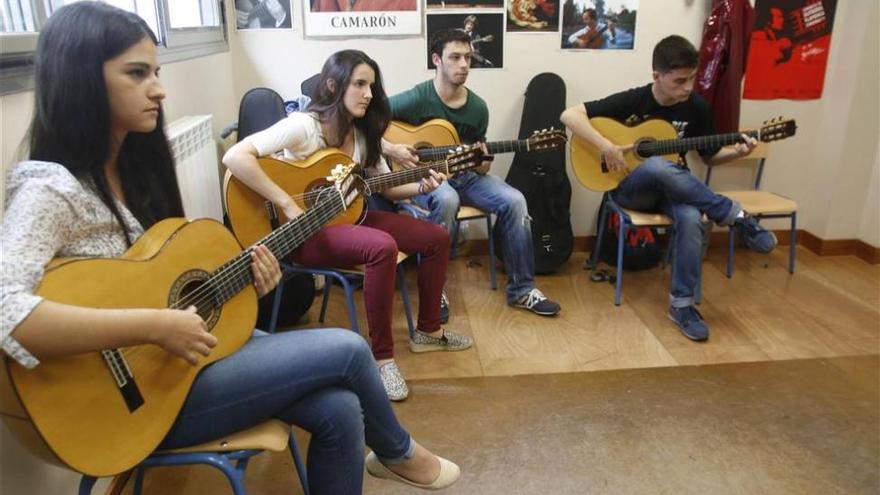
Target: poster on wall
{"type": "Point", "coordinates": [788, 49]}
{"type": "Point", "coordinates": [346, 18]}
{"type": "Point", "coordinates": [262, 14]}
{"type": "Point", "coordinates": [533, 16]}
{"type": "Point", "coordinates": [599, 24]}
{"type": "Point", "coordinates": [486, 32]}
{"type": "Point", "coordinates": [465, 4]}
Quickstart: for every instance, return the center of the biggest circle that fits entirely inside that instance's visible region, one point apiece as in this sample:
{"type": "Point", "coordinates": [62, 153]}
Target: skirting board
{"type": "Point", "coordinates": [822, 247]}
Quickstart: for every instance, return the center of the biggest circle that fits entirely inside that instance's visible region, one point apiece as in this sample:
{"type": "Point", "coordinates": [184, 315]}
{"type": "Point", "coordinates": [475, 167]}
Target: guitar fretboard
{"type": "Point", "coordinates": [440, 152]}
{"type": "Point", "coordinates": [406, 176]}
{"type": "Point", "coordinates": [236, 274]}
{"type": "Point", "coordinates": [672, 146]}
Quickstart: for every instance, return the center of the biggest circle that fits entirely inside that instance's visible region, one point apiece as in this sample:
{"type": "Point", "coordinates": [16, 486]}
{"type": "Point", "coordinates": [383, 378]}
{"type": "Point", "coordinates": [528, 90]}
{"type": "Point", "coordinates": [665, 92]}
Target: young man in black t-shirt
{"type": "Point", "coordinates": [660, 185]}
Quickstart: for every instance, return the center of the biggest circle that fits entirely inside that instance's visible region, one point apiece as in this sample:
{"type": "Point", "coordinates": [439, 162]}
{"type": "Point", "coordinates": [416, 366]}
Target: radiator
{"type": "Point", "coordinates": [195, 158]}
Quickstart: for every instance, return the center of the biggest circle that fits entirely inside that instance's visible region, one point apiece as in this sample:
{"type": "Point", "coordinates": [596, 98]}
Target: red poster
{"type": "Point", "coordinates": [789, 48]}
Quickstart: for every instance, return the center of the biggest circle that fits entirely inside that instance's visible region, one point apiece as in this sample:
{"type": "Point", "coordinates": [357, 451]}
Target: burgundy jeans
{"type": "Point", "coordinates": [374, 243]}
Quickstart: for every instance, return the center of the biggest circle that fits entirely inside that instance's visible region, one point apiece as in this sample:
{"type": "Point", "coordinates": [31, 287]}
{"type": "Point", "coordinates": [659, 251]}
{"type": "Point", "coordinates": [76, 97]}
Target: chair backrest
{"type": "Point", "coordinates": [258, 110]}
{"type": "Point", "coordinates": [309, 85]}
{"type": "Point", "coordinates": [758, 156]}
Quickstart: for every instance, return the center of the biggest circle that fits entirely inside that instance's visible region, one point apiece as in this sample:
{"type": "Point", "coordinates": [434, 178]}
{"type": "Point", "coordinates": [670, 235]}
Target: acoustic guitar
{"type": "Point", "coordinates": [652, 137]}
{"type": "Point", "coordinates": [251, 216]}
{"type": "Point", "coordinates": [591, 39]}
{"type": "Point", "coordinates": [101, 413]}
{"type": "Point", "coordinates": [436, 137]}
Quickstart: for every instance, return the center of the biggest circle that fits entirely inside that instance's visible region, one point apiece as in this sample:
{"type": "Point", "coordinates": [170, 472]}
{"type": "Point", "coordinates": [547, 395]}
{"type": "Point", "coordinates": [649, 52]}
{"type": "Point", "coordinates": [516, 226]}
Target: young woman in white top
{"type": "Point", "coordinates": [350, 111]}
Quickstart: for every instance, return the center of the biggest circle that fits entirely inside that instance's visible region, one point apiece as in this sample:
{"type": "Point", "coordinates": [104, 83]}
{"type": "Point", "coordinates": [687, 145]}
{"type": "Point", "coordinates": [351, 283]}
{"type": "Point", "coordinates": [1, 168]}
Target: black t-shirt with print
{"type": "Point", "coordinates": [691, 118]}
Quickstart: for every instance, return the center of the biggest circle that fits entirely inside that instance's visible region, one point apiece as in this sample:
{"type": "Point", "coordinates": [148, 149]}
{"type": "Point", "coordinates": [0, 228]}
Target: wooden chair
{"type": "Point", "coordinates": [229, 454]}
{"type": "Point", "coordinates": [629, 219]}
{"type": "Point", "coordinates": [760, 204]}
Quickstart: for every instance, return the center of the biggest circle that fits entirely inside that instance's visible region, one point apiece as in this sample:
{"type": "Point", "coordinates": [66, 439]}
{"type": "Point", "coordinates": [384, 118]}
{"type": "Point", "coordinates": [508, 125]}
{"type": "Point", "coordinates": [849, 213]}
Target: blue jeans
{"type": "Point", "coordinates": [490, 193]}
{"type": "Point", "coordinates": [660, 185]}
{"type": "Point", "coordinates": [324, 381]}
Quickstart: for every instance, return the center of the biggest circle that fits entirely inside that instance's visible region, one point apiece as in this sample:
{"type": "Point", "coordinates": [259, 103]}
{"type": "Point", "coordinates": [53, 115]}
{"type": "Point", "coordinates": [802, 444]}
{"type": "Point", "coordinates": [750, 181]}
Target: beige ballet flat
{"type": "Point", "coordinates": [449, 473]}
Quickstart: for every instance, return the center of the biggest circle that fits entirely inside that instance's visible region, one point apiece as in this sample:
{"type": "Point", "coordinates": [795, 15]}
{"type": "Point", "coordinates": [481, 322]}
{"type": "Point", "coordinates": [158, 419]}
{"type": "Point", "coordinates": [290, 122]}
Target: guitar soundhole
{"type": "Point", "coordinates": [190, 289]}
{"type": "Point", "coordinates": [313, 191]}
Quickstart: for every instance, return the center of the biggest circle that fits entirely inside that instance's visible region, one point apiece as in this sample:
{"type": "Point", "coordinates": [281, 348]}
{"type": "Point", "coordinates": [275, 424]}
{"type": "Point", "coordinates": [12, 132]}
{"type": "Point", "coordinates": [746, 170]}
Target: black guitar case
{"type": "Point", "coordinates": [542, 178]}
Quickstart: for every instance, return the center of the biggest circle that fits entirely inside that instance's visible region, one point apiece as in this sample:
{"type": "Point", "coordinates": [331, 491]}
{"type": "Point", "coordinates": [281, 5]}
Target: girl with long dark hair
{"type": "Point", "coordinates": [100, 173]}
{"type": "Point", "coordinates": [350, 112]}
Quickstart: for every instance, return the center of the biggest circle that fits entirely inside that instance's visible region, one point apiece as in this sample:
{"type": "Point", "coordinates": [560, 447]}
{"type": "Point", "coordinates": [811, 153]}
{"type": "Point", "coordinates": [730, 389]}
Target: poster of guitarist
{"type": "Point", "coordinates": [262, 14]}
{"type": "Point", "coordinates": [590, 25]}
{"type": "Point", "coordinates": [788, 49]}
{"type": "Point", "coordinates": [485, 31]}
{"type": "Point", "coordinates": [477, 41]}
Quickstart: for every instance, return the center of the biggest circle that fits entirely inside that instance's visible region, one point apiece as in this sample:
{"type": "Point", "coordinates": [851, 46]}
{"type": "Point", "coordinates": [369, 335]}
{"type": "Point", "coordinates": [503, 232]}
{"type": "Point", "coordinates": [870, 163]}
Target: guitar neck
{"type": "Point", "coordinates": [236, 274]}
{"type": "Point", "coordinates": [384, 181]}
{"type": "Point", "coordinates": [494, 147]}
{"type": "Point", "coordinates": [674, 146]}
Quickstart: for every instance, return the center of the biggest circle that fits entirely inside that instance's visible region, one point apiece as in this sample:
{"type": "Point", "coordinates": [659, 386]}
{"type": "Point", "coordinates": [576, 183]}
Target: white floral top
{"type": "Point", "coordinates": [49, 213]}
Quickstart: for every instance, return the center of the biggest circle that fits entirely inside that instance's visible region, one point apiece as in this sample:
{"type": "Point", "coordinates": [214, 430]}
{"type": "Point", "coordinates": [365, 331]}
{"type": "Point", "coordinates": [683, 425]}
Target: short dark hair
{"type": "Point", "coordinates": [674, 52]}
{"type": "Point", "coordinates": [592, 13]}
{"type": "Point", "coordinates": [444, 36]}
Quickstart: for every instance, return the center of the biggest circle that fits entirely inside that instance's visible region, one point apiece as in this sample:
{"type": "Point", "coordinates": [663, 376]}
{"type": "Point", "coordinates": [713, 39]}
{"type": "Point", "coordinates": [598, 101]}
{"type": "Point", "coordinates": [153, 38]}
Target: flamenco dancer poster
{"type": "Point", "coordinates": [788, 49]}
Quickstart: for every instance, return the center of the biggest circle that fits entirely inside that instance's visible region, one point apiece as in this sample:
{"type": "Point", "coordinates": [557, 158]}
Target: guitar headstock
{"type": "Point", "coordinates": [346, 182]}
{"type": "Point", "coordinates": [776, 129]}
{"type": "Point", "coordinates": [546, 139]}
{"type": "Point", "coordinates": [464, 157]}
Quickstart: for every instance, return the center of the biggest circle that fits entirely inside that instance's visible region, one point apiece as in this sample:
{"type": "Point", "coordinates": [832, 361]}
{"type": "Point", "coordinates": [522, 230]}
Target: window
{"type": "Point", "coordinates": [185, 28]}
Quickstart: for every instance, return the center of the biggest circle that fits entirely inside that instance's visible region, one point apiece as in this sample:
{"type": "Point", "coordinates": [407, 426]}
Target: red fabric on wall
{"type": "Point", "coordinates": [723, 60]}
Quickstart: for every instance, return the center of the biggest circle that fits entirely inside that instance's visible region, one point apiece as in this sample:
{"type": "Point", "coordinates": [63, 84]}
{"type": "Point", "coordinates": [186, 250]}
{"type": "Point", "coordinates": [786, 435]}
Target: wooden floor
{"type": "Point", "coordinates": [829, 308]}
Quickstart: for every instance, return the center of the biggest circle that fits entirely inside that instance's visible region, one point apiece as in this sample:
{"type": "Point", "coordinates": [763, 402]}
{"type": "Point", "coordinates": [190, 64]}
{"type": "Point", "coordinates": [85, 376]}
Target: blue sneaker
{"type": "Point", "coordinates": [536, 302]}
{"type": "Point", "coordinates": [755, 237]}
{"type": "Point", "coordinates": [690, 322]}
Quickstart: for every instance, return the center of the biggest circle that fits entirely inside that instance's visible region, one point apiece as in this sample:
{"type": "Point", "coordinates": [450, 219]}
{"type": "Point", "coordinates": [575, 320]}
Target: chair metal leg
{"type": "Point", "coordinates": [454, 250]}
{"type": "Point", "coordinates": [731, 236]}
{"type": "Point", "coordinates": [298, 463]}
{"type": "Point", "coordinates": [492, 278]}
{"type": "Point", "coordinates": [86, 483]}
{"type": "Point", "coordinates": [603, 217]}
{"type": "Point", "coordinates": [791, 249]}
{"type": "Point", "coordinates": [621, 235]}
{"type": "Point", "coordinates": [404, 294]}
{"type": "Point", "coordinates": [139, 474]}
{"type": "Point", "coordinates": [349, 301]}
{"type": "Point", "coordinates": [219, 460]}
{"type": "Point", "coordinates": [276, 304]}
{"type": "Point", "coordinates": [328, 284]}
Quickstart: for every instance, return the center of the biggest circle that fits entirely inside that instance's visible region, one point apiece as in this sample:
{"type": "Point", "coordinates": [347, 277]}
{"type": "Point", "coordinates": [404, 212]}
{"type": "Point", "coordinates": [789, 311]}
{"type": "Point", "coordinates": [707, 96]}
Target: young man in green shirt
{"type": "Point", "coordinates": [446, 97]}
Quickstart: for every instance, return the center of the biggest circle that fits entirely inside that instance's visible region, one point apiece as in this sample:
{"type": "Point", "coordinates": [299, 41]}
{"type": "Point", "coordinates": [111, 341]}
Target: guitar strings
{"type": "Point", "coordinates": [238, 269]}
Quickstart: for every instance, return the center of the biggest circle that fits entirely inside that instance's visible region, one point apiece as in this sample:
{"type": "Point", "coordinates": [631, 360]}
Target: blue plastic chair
{"type": "Point", "coordinates": [630, 219]}
{"type": "Point", "coordinates": [230, 455]}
